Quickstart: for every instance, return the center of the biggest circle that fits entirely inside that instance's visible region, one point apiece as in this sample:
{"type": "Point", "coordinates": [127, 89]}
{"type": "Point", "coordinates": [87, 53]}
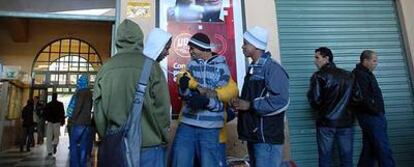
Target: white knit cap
{"type": "Point", "coordinates": [257, 36]}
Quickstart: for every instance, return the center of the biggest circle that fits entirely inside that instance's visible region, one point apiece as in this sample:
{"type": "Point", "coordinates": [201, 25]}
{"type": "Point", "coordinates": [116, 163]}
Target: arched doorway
{"type": "Point", "coordinates": [59, 64]}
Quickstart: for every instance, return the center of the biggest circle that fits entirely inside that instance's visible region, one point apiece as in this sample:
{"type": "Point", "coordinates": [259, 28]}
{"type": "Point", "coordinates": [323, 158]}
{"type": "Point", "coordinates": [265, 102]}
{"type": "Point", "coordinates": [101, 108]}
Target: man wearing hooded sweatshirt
{"type": "Point", "coordinates": [115, 88]}
{"type": "Point", "coordinates": [202, 115]}
{"type": "Point", "coordinates": [81, 106]}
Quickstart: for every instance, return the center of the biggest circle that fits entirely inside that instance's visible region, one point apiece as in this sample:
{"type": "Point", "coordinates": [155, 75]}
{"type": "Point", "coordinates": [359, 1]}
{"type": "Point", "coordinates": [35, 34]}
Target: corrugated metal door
{"type": "Point", "coordinates": [347, 27]}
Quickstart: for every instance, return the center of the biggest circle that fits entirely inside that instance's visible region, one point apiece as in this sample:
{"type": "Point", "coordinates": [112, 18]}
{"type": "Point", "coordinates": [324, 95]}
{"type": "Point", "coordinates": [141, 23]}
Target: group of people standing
{"type": "Point", "coordinates": [337, 96]}
{"type": "Point", "coordinates": [52, 116]}
{"type": "Point", "coordinates": [211, 98]}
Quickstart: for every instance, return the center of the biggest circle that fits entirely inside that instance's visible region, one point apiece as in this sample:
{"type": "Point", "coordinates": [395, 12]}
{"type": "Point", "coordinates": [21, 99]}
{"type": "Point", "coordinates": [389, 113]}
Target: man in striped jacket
{"type": "Point", "coordinates": [203, 113]}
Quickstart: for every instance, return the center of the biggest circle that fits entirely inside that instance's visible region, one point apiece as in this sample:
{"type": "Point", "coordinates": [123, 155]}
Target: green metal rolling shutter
{"type": "Point", "coordinates": [347, 27]}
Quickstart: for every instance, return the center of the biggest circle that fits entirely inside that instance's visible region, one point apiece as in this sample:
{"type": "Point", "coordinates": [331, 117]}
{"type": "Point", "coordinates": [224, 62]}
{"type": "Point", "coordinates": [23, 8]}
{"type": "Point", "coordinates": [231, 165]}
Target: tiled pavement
{"type": "Point", "coordinates": [37, 157]}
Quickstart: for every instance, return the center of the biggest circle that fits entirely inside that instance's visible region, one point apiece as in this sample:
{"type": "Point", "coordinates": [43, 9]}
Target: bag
{"type": "Point", "coordinates": [112, 149]}
{"type": "Point", "coordinates": [122, 147]}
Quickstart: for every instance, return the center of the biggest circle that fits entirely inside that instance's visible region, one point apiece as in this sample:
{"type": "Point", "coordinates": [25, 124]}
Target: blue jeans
{"type": "Point", "coordinates": [153, 156]}
{"type": "Point", "coordinates": [79, 145]}
{"type": "Point", "coordinates": [326, 138]}
{"type": "Point", "coordinates": [265, 154]}
{"type": "Point", "coordinates": [375, 144]}
{"type": "Point", "coordinates": [201, 142]}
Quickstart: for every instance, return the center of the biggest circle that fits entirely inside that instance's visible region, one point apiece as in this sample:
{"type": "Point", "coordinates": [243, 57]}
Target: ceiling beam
{"type": "Point", "coordinates": [54, 5]}
{"type": "Point", "coordinates": [8, 14]}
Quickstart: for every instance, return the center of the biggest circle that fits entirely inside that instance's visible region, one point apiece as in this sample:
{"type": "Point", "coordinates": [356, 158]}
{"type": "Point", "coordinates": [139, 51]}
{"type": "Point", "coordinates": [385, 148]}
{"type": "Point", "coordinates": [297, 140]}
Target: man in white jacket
{"type": "Point", "coordinates": [156, 47]}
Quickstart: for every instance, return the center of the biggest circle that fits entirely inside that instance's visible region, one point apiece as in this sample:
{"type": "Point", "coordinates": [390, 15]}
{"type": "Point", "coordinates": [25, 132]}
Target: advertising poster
{"type": "Point", "coordinates": [221, 20]}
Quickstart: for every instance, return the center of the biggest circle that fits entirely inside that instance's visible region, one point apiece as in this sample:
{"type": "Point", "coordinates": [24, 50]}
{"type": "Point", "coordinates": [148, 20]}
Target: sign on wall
{"type": "Point", "coordinates": [221, 20]}
{"type": "Point", "coordinates": [10, 72]}
{"type": "Point", "coordinates": [138, 9]}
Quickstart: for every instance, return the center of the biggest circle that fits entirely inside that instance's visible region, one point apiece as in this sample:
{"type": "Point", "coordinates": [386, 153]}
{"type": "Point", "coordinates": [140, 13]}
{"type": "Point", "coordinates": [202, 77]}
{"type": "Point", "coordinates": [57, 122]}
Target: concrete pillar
{"type": "Point", "coordinates": [263, 13]}
{"type": "Point", "coordinates": [406, 13]}
{"type": "Point", "coordinates": [145, 22]}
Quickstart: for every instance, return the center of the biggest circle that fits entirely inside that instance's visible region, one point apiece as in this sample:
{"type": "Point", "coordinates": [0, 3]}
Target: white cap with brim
{"type": "Point", "coordinates": [257, 36]}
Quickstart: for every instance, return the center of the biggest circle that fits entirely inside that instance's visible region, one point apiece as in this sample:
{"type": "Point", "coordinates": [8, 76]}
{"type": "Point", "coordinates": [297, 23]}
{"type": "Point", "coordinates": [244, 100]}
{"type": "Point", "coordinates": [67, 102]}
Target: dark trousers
{"type": "Point", "coordinates": [375, 144]}
{"type": "Point", "coordinates": [27, 138]}
{"type": "Point", "coordinates": [326, 138]}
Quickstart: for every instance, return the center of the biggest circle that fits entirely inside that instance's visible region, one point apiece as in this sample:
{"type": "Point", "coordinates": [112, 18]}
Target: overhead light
{"type": "Point", "coordinates": [95, 12]}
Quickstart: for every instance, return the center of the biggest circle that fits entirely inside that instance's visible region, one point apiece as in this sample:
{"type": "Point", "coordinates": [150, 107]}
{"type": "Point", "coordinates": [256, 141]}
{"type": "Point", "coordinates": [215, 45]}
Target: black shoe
{"type": "Point", "coordinates": [21, 148]}
{"type": "Point", "coordinates": [28, 149]}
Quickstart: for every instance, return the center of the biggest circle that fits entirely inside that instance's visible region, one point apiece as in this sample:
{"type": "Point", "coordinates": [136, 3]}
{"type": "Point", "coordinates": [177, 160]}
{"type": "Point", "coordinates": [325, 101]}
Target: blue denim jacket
{"type": "Point", "coordinates": [266, 86]}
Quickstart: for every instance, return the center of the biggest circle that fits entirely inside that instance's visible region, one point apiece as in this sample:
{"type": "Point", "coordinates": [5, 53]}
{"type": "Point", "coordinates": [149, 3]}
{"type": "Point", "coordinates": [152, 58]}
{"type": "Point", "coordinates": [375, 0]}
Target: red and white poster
{"type": "Point", "coordinates": [221, 20]}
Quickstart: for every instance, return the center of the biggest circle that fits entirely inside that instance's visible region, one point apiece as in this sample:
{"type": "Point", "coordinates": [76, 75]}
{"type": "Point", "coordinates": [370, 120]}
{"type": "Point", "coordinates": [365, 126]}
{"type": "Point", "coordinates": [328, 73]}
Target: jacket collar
{"type": "Point", "coordinates": [359, 66]}
{"type": "Point", "coordinates": [328, 65]}
{"type": "Point", "coordinates": [215, 59]}
{"type": "Point", "coordinates": [262, 60]}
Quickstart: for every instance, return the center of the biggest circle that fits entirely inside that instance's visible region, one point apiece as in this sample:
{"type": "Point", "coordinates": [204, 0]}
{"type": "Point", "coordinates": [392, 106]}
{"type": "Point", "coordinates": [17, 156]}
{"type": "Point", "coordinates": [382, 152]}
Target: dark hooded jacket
{"type": "Point", "coordinates": [54, 112]}
{"type": "Point", "coordinates": [329, 95]}
{"type": "Point", "coordinates": [266, 86]}
{"type": "Point", "coordinates": [27, 114]}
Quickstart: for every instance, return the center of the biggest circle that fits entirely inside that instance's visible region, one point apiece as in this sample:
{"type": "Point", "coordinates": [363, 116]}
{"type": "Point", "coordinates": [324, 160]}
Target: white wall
{"type": "Point", "coordinates": [263, 13]}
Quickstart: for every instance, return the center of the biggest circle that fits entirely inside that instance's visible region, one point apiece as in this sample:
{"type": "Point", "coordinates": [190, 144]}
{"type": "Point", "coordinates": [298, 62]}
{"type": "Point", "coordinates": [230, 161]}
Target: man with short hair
{"type": "Point", "coordinates": [329, 96]}
{"type": "Point", "coordinates": [263, 102]}
{"type": "Point", "coordinates": [370, 114]}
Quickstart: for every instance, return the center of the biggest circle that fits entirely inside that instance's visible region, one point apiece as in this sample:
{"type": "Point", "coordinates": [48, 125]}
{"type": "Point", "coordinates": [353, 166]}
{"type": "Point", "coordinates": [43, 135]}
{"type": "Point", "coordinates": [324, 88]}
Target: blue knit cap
{"type": "Point", "coordinates": [82, 82]}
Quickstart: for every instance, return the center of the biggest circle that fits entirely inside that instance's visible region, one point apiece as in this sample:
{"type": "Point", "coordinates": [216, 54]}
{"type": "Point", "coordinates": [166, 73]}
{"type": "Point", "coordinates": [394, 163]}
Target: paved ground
{"type": "Point", "coordinates": [37, 157]}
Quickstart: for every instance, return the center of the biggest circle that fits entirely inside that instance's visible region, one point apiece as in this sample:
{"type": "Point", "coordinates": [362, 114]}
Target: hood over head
{"type": "Point", "coordinates": [82, 82]}
{"type": "Point", "coordinates": [129, 37]}
{"type": "Point", "coordinates": [155, 43]}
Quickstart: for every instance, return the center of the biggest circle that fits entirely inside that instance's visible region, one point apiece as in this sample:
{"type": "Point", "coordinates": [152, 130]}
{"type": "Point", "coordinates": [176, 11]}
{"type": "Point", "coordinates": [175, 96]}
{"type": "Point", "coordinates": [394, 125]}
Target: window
{"type": "Point", "coordinates": [60, 63]}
